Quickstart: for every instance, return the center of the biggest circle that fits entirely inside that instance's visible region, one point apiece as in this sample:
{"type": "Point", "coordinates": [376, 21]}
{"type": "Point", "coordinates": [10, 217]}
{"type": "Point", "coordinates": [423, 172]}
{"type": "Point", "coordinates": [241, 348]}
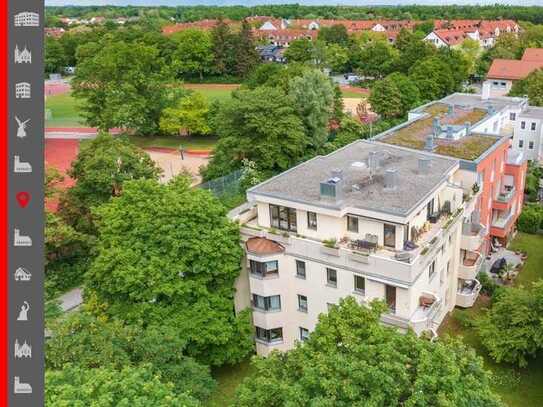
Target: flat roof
{"type": "Point", "coordinates": [302, 183]}
{"type": "Point", "coordinates": [532, 112]}
{"type": "Point", "coordinates": [456, 110]}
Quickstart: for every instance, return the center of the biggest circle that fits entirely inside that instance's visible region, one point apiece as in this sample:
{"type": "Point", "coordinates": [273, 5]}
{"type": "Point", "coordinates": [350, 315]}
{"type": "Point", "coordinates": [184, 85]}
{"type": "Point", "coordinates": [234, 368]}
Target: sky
{"type": "Point", "coordinates": [304, 2]}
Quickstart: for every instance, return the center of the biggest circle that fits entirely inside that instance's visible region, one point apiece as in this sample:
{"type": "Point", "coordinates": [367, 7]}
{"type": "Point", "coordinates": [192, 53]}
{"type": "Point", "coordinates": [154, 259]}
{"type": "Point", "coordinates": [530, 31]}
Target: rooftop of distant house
{"type": "Point", "coordinates": [514, 69]}
{"type": "Point", "coordinates": [449, 123]}
{"type": "Point", "coordinates": [365, 175]}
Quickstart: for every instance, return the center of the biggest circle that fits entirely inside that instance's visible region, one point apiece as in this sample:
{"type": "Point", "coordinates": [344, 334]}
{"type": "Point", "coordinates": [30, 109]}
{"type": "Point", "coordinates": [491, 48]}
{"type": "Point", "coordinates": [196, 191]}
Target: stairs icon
{"type": "Point", "coordinates": [21, 240]}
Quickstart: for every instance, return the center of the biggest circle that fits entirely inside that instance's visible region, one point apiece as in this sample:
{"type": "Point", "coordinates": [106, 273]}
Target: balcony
{"type": "Point", "coordinates": [470, 266]}
{"type": "Point", "coordinates": [467, 293]}
{"type": "Point", "coordinates": [428, 309]}
{"type": "Point", "coordinates": [472, 236]}
{"type": "Point", "coordinates": [501, 224]}
{"type": "Point", "coordinates": [504, 200]}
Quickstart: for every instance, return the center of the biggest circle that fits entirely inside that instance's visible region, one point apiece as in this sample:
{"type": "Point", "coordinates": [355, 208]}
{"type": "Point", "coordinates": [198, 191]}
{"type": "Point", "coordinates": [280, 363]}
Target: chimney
{"type": "Point", "coordinates": [332, 188]}
{"type": "Point", "coordinates": [436, 126]}
{"type": "Point", "coordinates": [424, 165]}
{"type": "Point", "coordinates": [467, 126]}
{"type": "Point", "coordinates": [373, 161]}
{"type": "Point", "coordinates": [429, 146]}
{"type": "Point", "coordinates": [450, 132]}
{"type": "Point", "coordinates": [391, 179]}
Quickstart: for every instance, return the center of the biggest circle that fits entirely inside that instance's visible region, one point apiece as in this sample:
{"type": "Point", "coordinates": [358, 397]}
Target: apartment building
{"type": "Point", "coordinates": [406, 218]}
{"type": "Point", "coordinates": [528, 134]}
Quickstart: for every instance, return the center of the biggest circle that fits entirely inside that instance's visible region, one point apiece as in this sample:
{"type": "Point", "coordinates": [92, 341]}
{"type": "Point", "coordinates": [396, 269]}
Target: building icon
{"type": "Point", "coordinates": [22, 351]}
{"type": "Point", "coordinates": [27, 19]}
{"type": "Point", "coordinates": [22, 274]}
{"type": "Point", "coordinates": [22, 90]}
{"type": "Point", "coordinates": [24, 56]}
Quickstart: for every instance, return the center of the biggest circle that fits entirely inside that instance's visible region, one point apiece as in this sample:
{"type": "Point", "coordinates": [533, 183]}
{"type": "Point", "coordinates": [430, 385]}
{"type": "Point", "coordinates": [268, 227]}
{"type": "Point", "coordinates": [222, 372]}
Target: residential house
{"type": "Point", "coordinates": [271, 53]}
{"type": "Point", "coordinates": [283, 38]}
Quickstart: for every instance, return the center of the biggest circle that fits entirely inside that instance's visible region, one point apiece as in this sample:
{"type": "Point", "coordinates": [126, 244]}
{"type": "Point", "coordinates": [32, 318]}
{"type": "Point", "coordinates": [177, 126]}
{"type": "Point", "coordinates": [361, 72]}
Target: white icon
{"type": "Point", "coordinates": [22, 90]}
{"type": "Point", "coordinates": [22, 351]}
{"type": "Point", "coordinates": [27, 19]}
{"type": "Point", "coordinates": [21, 166]}
{"type": "Point", "coordinates": [21, 240]}
{"type": "Point", "coordinates": [21, 129]}
{"type": "Point", "coordinates": [24, 56]}
{"type": "Point", "coordinates": [23, 313]}
{"type": "Point", "coordinates": [20, 387]}
{"type": "Point", "coordinates": [22, 274]}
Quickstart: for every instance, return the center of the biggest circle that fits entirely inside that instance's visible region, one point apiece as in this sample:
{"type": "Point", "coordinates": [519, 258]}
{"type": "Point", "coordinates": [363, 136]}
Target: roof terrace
{"type": "Point", "coordinates": [449, 125]}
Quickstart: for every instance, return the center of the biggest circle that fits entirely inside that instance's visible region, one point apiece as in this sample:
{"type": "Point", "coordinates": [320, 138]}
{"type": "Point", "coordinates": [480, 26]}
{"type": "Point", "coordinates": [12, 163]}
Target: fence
{"type": "Point", "coordinates": [226, 185]}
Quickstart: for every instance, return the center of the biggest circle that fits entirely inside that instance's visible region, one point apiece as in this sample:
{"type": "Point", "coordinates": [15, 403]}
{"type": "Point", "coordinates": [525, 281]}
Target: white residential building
{"type": "Point", "coordinates": [370, 220]}
{"type": "Point", "coordinates": [528, 133]}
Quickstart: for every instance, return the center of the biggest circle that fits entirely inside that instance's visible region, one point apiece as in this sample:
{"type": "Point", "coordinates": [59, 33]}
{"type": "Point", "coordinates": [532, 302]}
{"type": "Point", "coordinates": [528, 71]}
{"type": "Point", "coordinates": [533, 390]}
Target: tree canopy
{"type": "Point", "coordinates": [167, 257]}
{"type": "Point", "coordinates": [532, 86]}
{"type": "Point", "coordinates": [352, 359]}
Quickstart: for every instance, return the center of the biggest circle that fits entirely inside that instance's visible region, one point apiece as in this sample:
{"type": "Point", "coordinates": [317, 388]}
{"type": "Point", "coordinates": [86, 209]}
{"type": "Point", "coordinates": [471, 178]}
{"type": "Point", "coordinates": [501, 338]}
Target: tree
{"type": "Point", "coordinates": [512, 329]}
{"type": "Point", "coordinates": [433, 77]}
{"type": "Point", "coordinates": [335, 34]}
{"type": "Point", "coordinates": [336, 57]}
{"type": "Point", "coordinates": [471, 50]}
{"type": "Point", "coordinates": [264, 74]}
{"type": "Point", "coordinates": [101, 168]}
{"type": "Point", "coordinates": [55, 60]}
{"type": "Point", "coordinates": [352, 359]}
{"type": "Point", "coordinates": [261, 125]}
{"type": "Point", "coordinates": [167, 258]}
{"type": "Point", "coordinates": [123, 85]}
{"type": "Point", "coordinates": [247, 58]}
{"type": "Point", "coordinates": [300, 50]}
{"type": "Point", "coordinates": [531, 218]}
{"type": "Point", "coordinates": [532, 86]}
{"type": "Point", "coordinates": [190, 115]}
{"type": "Point", "coordinates": [131, 386]}
{"type": "Point", "coordinates": [376, 59]}
{"type": "Point", "coordinates": [223, 50]}
{"type": "Point", "coordinates": [412, 49]}
{"type": "Point", "coordinates": [193, 54]}
{"type": "Point", "coordinates": [313, 96]}
{"type": "Point", "coordinates": [394, 96]}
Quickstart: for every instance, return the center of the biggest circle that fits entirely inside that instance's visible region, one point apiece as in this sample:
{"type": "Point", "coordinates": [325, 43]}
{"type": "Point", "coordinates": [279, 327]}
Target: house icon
{"type": "Point", "coordinates": [22, 274]}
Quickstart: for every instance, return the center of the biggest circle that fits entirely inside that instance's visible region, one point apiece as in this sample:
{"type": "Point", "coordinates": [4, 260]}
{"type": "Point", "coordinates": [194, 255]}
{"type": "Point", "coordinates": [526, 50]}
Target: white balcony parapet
{"type": "Point", "coordinates": [514, 157]}
{"type": "Point", "coordinates": [467, 293]}
{"type": "Point", "coordinates": [472, 236]}
{"type": "Point", "coordinates": [505, 196]}
{"type": "Point", "coordinates": [422, 318]}
{"type": "Point", "coordinates": [469, 267]}
{"type": "Point", "coordinates": [502, 221]}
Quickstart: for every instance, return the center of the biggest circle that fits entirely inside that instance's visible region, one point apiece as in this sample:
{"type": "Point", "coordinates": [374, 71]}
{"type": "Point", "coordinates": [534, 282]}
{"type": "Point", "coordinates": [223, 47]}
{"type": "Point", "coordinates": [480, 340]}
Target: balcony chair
{"type": "Point", "coordinates": [403, 256]}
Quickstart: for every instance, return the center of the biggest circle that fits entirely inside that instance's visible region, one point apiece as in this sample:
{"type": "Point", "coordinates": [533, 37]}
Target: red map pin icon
{"type": "Point", "coordinates": [23, 198]}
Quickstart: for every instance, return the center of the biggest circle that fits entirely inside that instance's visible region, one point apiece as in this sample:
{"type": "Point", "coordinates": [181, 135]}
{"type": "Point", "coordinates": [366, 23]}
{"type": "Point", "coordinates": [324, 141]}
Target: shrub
{"type": "Point", "coordinates": [531, 218]}
{"type": "Point", "coordinates": [488, 285]}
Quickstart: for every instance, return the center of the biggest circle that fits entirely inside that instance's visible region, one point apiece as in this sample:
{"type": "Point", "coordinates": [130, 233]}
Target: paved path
{"type": "Point", "coordinates": [75, 133]}
{"type": "Point", "coordinates": [71, 299]}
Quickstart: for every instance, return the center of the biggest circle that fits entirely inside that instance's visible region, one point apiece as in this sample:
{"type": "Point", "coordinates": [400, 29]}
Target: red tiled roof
{"type": "Point", "coordinates": [451, 37]}
{"type": "Point", "coordinates": [285, 35]}
{"type": "Point", "coordinates": [512, 69]}
{"type": "Point", "coordinates": [263, 246]}
{"type": "Point", "coordinates": [533, 54]}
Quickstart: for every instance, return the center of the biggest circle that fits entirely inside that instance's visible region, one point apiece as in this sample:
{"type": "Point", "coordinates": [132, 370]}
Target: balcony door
{"type": "Point", "coordinates": [390, 296]}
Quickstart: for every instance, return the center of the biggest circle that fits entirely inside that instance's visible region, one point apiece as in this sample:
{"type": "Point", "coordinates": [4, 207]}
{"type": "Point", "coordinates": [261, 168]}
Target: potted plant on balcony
{"type": "Point", "coordinates": [330, 247]}
{"type": "Point", "coordinates": [475, 188]}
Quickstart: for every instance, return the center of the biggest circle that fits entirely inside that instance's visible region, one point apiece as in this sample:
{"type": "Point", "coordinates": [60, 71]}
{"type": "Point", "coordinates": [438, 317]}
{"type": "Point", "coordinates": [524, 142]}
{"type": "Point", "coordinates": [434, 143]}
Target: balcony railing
{"type": "Point", "coordinates": [505, 196]}
{"type": "Point", "coordinates": [422, 318]}
{"type": "Point", "coordinates": [502, 221]}
{"type": "Point", "coordinates": [467, 293]}
{"type": "Point", "coordinates": [470, 266]}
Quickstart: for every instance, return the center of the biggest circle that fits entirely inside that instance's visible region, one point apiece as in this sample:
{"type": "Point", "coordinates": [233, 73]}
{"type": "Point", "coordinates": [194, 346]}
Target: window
{"type": "Point", "coordinates": [265, 269]}
{"type": "Point", "coordinates": [352, 224]}
{"type": "Point", "coordinates": [271, 303]}
{"type": "Point", "coordinates": [269, 335]}
{"type": "Point", "coordinates": [432, 270]}
{"type": "Point", "coordinates": [304, 334]}
{"type": "Point", "coordinates": [331, 277]}
{"type": "Point", "coordinates": [531, 145]}
{"type": "Point", "coordinates": [300, 269]}
{"type": "Point", "coordinates": [520, 143]}
{"type": "Point", "coordinates": [522, 125]}
{"type": "Point", "coordinates": [312, 220]}
{"type": "Point", "coordinates": [359, 284]}
{"type": "Point", "coordinates": [532, 126]}
{"type": "Point", "coordinates": [302, 303]}
{"type": "Point", "coordinates": [390, 297]}
{"type": "Point", "coordinates": [389, 235]}
{"type": "Point", "coordinates": [283, 218]}
{"type": "Point", "coordinates": [512, 116]}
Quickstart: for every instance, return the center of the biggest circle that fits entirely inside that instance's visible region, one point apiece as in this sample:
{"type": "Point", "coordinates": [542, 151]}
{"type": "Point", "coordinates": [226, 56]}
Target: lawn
{"type": "Point", "coordinates": [351, 94]}
{"type": "Point", "coordinates": [213, 92]}
{"type": "Point", "coordinates": [190, 143]}
{"type": "Point", "coordinates": [517, 387]}
{"type": "Point", "coordinates": [63, 111]}
{"type": "Point", "coordinates": [228, 379]}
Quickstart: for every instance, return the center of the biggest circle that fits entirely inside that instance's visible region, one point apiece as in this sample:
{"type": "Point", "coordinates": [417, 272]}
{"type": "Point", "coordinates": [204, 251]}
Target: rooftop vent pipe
{"type": "Point", "coordinates": [429, 146]}
{"type": "Point", "coordinates": [391, 178]}
{"type": "Point", "coordinates": [424, 165]}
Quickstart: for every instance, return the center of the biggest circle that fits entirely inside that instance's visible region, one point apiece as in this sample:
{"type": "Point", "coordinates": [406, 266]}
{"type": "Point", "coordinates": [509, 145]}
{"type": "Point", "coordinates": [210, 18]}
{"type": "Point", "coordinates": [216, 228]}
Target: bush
{"type": "Point", "coordinates": [487, 283]}
{"type": "Point", "coordinates": [531, 218]}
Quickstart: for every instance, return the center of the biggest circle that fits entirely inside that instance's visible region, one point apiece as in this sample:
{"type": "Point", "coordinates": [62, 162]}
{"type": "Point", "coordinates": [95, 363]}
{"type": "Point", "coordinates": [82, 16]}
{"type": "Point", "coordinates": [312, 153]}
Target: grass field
{"type": "Point", "coordinates": [517, 387]}
{"type": "Point", "coordinates": [228, 379]}
{"type": "Point", "coordinates": [190, 143]}
{"type": "Point", "coordinates": [63, 110]}
{"type": "Point", "coordinates": [213, 92]}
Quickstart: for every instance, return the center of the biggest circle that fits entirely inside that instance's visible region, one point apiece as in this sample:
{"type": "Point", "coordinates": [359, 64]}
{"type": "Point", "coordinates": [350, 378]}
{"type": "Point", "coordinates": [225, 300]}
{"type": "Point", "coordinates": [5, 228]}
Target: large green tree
{"type": "Point", "coordinates": [353, 360]}
{"type": "Point", "coordinates": [261, 125]}
{"type": "Point", "coordinates": [55, 59]}
{"type": "Point", "coordinates": [313, 95]}
{"type": "Point", "coordinates": [106, 387]}
{"type": "Point", "coordinates": [335, 34]}
{"type": "Point", "coordinates": [394, 96]}
{"type": "Point", "coordinates": [247, 58]}
{"type": "Point", "coordinates": [193, 55]}
{"type": "Point", "coordinates": [532, 86]}
{"type": "Point", "coordinates": [167, 257]}
{"type": "Point", "coordinates": [376, 58]}
{"type": "Point", "coordinates": [223, 48]}
{"type": "Point", "coordinates": [512, 329]}
{"type": "Point", "coordinates": [190, 116]}
{"type": "Point", "coordinates": [433, 77]}
{"type": "Point", "coordinates": [300, 50]}
{"type": "Point", "coordinates": [124, 85]}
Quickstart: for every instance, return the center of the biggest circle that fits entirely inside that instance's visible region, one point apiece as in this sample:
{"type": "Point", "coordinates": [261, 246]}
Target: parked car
{"type": "Point", "coordinates": [498, 266]}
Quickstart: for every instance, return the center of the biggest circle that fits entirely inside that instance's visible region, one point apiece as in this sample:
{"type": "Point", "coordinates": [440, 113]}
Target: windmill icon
{"type": "Point", "coordinates": [21, 130]}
